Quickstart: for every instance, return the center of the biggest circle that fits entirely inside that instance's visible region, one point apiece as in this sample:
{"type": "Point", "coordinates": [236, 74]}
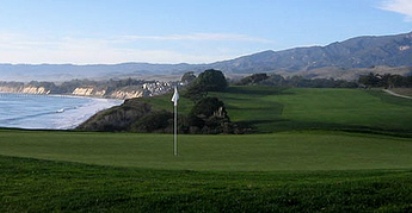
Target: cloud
{"type": "Point", "coordinates": [18, 48]}
{"type": "Point", "coordinates": [201, 37]}
{"type": "Point", "coordinates": [403, 7]}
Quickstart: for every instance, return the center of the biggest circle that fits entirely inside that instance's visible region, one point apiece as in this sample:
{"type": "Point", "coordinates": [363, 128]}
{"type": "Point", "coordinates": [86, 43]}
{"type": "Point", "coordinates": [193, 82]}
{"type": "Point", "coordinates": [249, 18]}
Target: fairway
{"type": "Point", "coordinates": [266, 152]}
{"type": "Point", "coordinates": [269, 109]}
{"type": "Point", "coordinates": [273, 110]}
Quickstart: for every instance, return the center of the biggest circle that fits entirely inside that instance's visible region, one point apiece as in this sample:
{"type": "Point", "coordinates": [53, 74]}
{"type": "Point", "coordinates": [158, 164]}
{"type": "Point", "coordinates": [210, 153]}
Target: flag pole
{"type": "Point", "coordinates": [175, 99]}
{"type": "Point", "coordinates": [175, 133]}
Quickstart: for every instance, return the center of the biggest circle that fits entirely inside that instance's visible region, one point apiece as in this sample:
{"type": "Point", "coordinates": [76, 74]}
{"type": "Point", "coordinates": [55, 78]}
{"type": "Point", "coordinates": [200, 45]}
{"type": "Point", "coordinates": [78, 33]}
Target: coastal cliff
{"type": "Point", "coordinates": [124, 93]}
{"type": "Point", "coordinates": [89, 92]}
{"type": "Point", "coordinates": [127, 94]}
{"type": "Point", "coordinates": [25, 90]}
{"type": "Point", "coordinates": [89, 89]}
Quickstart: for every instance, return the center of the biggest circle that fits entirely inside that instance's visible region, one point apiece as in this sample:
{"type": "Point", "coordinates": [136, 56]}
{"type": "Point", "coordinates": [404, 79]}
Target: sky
{"type": "Point", "coordinates": [184, 31]}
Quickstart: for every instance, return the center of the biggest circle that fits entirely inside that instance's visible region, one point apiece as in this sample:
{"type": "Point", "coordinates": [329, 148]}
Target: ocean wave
{"type": "Point", "coordinates": [49, 112]}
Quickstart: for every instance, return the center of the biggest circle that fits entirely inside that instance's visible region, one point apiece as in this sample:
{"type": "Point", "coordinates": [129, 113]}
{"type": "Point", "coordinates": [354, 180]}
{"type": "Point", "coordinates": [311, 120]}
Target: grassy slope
{"type": "Point", "coordinates": [333, 109]}
{"type": "Point", "coordinates": [41, 186]}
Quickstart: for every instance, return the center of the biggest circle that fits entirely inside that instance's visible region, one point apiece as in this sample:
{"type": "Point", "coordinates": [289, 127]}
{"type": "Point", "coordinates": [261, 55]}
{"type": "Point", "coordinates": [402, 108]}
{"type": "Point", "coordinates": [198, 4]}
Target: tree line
{"type": "Point", "coordinates": [294, 81]}
{"type": "Point", "coordinates": [368, 81]}
{"type": "Point", "coordinates": [387, 80]}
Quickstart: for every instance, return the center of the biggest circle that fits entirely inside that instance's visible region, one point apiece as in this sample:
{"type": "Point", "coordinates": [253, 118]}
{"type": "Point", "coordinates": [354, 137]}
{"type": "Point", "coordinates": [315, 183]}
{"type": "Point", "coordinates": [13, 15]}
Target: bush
{"type": "Point", "coordinates": [159, 121]}
{"type": "Point", "coordinates": [209, 116]}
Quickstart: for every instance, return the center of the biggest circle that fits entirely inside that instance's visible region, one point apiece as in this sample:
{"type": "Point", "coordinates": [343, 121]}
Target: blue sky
{"type": "Point", "coordinates": [191, 31]}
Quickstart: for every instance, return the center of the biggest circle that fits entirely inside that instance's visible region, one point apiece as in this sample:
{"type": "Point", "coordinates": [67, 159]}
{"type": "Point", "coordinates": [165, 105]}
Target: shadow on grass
{"type": "Point", "coordinates": [259, 91]}
{"type": "Point", "coordinates": [284, 125]}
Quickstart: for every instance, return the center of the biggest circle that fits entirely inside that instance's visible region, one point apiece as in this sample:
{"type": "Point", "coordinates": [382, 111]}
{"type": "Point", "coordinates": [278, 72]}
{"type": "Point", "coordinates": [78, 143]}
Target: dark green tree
{"type": "Point", "coordinates": [209, 106]}
{"type": "Point", "coordinates": [188, 77]}
{"type": "Point", "coordinates": [370, 80]}
{"type": "Point", "coordinates": [209, 116]}
{"type": "Point", "coordinates": [195, 92]}
{"type": "Point", "coordinates": [253, 79]}
{"type": "Point", "coordinates": [212, 80]}
{"type": "Point", "coordinates": [207, 81]}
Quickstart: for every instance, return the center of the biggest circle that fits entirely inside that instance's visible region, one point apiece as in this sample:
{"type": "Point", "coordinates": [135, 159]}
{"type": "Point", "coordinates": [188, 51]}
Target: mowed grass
{"type": "Point", "coordinates": [261, 152]}
{"type": "Point", "coordinates": [273, 110]}
{"type": "Point", "coordinates": [29, 185]}
{"type": "Point", "coordinates": [270, 109]}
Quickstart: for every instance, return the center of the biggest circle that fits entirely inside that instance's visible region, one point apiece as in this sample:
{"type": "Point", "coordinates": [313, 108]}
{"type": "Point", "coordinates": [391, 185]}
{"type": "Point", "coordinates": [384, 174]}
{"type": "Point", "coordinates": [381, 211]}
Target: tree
{"type": "Point", "coordinates": [212, 80]}
{"type": "Point", "coordinates": [370, 80]}
{"type": "Point", "coordinates": [396, 81]}
{"type": "Point", "coordinates": [275, 80]}
{"type": "Point", "coordinates": [253, 79]}
{"type": "Point", "coordinates": [195, 92]}
{"type": "Point", "coordinates": [207, 81]}
{"type": "Point", "coordinates": [188, 77]}
{"type": "Point", "coordinates": [207, 107]}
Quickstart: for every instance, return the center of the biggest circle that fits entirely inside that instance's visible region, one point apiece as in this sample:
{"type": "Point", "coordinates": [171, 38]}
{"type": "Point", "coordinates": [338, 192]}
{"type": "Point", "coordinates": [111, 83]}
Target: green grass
{"type": "Point", "coordinates": [42, 186]}
{"type": "Point", "coordinates": [318, 155]}
{"type": "Point", "coordinates": [260, 152]}
{"type": "Point", "coordinates": [269, 109]}
{"type": "Point", "coordinates": [274, 110]}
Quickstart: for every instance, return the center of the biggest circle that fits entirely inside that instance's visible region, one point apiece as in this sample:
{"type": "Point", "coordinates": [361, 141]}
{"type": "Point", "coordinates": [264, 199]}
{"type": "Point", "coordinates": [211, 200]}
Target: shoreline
{"type": "Point", "coordinates": [50, 114]}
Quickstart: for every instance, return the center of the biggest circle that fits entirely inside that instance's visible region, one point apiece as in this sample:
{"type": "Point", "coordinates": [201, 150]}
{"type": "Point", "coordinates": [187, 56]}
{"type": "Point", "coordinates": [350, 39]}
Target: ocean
{"type": "Point", "coordinates": [49, 111]}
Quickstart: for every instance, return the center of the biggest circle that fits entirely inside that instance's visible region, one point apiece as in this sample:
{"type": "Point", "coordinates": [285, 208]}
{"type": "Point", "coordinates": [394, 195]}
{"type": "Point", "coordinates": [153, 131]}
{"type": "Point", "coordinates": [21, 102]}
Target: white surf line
{"type": "Point", "coordinates": [396, 94]}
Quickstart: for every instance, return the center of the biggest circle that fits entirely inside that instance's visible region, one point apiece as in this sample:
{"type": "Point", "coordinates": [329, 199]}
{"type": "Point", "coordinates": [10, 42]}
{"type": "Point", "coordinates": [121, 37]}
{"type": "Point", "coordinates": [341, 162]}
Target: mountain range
{"type": "Point", "coordinates": [344, 59]}
{"type": "Point", "coordinates": [360, 52]}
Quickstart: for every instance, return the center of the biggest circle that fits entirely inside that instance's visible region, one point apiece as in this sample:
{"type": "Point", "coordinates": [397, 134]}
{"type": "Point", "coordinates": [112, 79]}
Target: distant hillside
{"type": "Point", "coordinates": [342, 59]}
{"type": "Point", "coordinates": [65, 72]}
{"type": "Point", "coordinates": [361, 52]}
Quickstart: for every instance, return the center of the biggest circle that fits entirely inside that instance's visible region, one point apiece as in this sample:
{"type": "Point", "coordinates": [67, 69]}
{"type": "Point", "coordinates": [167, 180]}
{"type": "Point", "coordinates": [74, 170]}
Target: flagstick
{"type": "Point", "coordinates": [175, 132]}
{"type": "Point", "coordinates": [175, 99]}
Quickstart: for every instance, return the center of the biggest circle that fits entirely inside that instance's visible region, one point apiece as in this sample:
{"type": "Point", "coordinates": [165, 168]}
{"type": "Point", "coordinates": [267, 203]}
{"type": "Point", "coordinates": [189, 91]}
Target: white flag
{"type": "Point", "coordinates": [175, 97]}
